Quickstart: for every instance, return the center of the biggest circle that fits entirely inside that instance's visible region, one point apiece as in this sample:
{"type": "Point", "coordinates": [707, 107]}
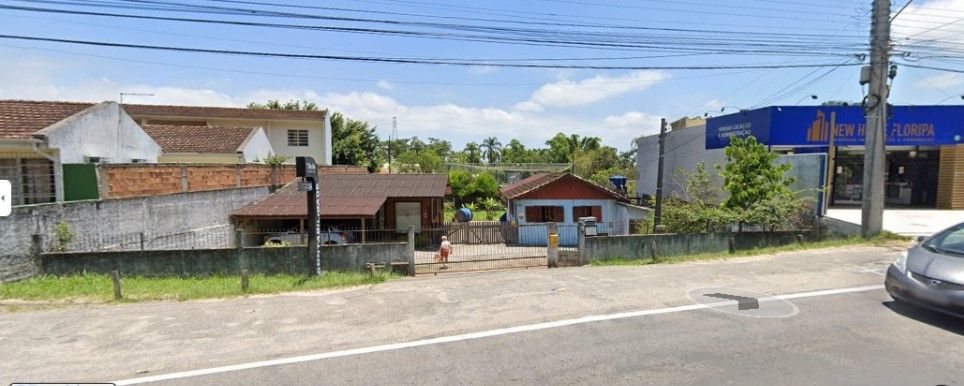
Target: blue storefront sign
{"type": "Point", "coordinates": [810, 126]}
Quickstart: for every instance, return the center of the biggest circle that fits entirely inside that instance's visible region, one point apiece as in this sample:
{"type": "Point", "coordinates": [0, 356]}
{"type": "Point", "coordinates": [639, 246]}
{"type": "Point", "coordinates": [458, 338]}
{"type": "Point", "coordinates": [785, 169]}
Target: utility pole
{"type": "Point", "coordinates": [394, 130]}
{"type": "Point", "coordinates": [659, 175]}
{"type": "Point", "coordinates": [875, 104]}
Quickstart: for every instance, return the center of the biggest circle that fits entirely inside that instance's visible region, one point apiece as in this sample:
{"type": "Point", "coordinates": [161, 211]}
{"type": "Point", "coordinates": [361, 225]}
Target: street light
{"type": "Point", "coordinates": [812, 96]}
{"type": "Point", "coordinates": [949, 98]}
{"type": "Point", "coordinates": [732, 107]}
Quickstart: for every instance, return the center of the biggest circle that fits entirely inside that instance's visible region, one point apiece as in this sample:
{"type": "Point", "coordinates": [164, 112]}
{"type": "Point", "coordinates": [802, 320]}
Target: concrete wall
{"type": "Point", "coordinates": [206, 213]}
{"type": "Point", "coordinates": [684, 149]}
{"type": "Point", "coordinates": [639, 246]}
{"type": "Point", "coordinates": [104, 131]}
{"type": "Point", "coordinates": [291, 260]}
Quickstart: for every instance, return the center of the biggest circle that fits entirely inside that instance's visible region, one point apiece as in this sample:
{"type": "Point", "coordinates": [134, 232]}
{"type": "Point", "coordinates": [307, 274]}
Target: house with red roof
{"type": "Point", "coordinates": [210, 144]}
{"type": "Point", "coordinates": [563, 198]}
{"type": "Point", "coordinates": [362, 202]}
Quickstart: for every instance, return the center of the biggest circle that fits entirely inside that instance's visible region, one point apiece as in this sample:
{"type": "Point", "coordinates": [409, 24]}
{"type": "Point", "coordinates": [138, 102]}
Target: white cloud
{"type": "Point", "coordinates": [569, 93]}
{"type": "Point", "coordinates": [26, 79]}
{"type": "Point", "coordinates": [385, 85]}
{"type": "Point", "coordinates": [936, 21]}
{"type": "Point", "coordinates": [941, 81]}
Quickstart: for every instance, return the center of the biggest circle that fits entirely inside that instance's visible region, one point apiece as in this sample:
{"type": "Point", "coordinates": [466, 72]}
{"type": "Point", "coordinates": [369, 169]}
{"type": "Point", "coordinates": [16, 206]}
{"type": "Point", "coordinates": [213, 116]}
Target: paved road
{"type": "Point", "coordinates": [858, 338]}
{"type": "Point", "coordinates": [85, 343]}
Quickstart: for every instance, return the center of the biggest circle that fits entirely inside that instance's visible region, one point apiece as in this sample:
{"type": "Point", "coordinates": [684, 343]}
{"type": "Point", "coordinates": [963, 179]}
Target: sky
{"type": "Point", "coordinates": [470, 103]}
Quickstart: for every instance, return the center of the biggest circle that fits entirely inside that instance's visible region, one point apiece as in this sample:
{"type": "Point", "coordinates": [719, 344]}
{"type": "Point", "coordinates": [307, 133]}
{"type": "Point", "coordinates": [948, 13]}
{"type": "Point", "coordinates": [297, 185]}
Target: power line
{"type": "Point", "coordinates": [399, 60]}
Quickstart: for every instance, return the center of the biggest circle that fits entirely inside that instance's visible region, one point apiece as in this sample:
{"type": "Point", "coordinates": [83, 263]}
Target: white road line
{"type": "Point", "coordinates": [475, 335]}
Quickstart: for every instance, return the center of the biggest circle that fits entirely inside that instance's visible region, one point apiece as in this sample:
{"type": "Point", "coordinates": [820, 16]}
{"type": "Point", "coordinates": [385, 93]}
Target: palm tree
{"type": "Point", "coordinates": [472, 153]}
{"type": "Point", "coordinates": [492, 150]}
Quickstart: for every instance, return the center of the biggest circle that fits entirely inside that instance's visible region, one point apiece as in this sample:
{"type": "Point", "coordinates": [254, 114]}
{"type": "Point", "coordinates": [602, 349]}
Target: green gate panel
{"type": "Point", "coordinates": [80, 182]}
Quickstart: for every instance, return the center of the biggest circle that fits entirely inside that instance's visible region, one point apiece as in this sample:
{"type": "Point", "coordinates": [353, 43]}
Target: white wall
{"type": "Point", "coordinates": [258, 147]}
{"type": "Point", "coordinates": [319, 136]}
{"type": "Point", "coordinates": [684, 149]}
{"type": "Point", "coordinates": [104, 131]}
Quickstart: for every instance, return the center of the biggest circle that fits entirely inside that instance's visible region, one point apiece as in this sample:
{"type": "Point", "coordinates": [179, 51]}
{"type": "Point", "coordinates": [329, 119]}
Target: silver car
{"type": "Point", "coordinates": [931, 274]}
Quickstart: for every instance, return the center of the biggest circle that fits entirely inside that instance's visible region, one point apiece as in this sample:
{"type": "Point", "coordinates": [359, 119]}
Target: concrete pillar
{"type": "Point", "coordinates": [552, 242]}
{"type": "Point", "coordinates": [583, 252]}
{"type": "Point", "coordinates": [184, 180]}
{"type": "Point", "coordinates": [410, 251]}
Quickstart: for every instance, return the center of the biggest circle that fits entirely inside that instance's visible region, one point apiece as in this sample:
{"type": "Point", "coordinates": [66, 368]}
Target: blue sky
{"type": "Point", "coordinates": [470, 103]}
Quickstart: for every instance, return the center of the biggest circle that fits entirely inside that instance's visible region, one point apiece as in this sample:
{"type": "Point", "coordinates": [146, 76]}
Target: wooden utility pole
{"type": "Point", "coordinates": [872, 208]}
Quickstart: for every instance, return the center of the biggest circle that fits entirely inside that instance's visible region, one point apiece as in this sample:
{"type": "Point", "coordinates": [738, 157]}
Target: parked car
{"type": "Point", "coordinates": [330, 235]}
{"type": "Point", "coordinates": [931, 274]}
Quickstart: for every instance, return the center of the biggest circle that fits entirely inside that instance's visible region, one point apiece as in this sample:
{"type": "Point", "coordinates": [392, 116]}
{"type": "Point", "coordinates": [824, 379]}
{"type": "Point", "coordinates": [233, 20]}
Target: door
{"type": "Point", "coordinates": [408, 214]}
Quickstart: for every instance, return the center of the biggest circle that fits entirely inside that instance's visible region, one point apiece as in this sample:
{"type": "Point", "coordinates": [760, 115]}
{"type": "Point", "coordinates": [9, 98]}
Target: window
{"type": "Point", "coordinates": [297, 137]}
{"type": "Point", "coordinates": [587, 211]}
{"type": "Point", "coordinates": [544, 214]}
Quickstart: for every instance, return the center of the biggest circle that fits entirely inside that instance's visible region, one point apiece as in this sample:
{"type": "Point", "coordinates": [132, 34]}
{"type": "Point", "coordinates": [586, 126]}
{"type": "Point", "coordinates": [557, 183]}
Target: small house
{"type": "Point", "coordinates": [563, 199]}
{"type": "Point", "coordinates": [210, 144]}
{"type": "Point", "coordinates": [361, 203]}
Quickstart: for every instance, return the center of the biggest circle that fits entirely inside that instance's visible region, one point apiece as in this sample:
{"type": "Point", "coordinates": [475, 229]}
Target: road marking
{"type": "Point", "coordinates": [476, 335]}
{"type": "Point", "coordinates": [873, 271]}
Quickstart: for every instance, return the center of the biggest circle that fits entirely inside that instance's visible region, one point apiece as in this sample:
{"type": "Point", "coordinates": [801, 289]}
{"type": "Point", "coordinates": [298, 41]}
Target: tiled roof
{"type": "Point", "coordinates": [139, 111]}
{"type": "Point", "coordinates": [20, 119]}
{"type": "Point", "coordinates": [347, 195]}
{"type": "Point", "coordinates": [199, 139]}
{"type": "Point", "coordinates": [538, 181]}
{"type": "Point", "coordinates": [535, 181]}
{"type": "Point", "coordinates": [387, 185]}
{"type": "Point", "coordinates": [295, 205]}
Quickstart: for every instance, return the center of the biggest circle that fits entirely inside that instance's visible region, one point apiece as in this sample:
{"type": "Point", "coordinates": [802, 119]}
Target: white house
{"type": "Point", "coordinates": [39, 140]}
{"type": "Point", "coordinates": [290, 132]}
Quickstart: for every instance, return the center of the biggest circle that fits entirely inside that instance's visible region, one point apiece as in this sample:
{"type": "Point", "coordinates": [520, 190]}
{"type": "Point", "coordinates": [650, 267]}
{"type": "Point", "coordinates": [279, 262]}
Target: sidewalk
{"type": "Point", "coordinates": [906, 222]}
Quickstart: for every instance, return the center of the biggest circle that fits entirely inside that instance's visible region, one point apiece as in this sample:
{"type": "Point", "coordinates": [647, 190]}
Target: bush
{"type": "Point", "coordinates": [63, 236]}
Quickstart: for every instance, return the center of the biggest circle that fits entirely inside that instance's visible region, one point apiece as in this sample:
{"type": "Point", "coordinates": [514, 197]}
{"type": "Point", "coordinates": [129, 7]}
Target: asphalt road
{"type": "Point", "coordinates": [598, 325]}
{"type": "Point", "coordinates": [855, 338]}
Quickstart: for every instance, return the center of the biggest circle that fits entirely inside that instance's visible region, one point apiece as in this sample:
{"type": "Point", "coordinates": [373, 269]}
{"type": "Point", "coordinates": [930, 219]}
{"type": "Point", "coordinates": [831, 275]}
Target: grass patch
{"type": "Point", "coordinates": [884, 239]}
{"type": "Point", "coordinates": [98, 288]}
{"type": "Point", "coordinates": [477, 215]}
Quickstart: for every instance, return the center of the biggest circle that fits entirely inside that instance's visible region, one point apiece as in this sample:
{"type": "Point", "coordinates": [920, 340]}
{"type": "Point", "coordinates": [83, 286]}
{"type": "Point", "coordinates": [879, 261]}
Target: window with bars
{"type": "Point", "coordinates": [297, 137]}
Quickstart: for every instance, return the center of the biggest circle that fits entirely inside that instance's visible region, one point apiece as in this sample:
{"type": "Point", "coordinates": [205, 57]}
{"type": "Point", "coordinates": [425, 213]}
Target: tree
{"type": "Point", "coordinates": [563, 148]}
{"type": "Point", "coordinates": [759, 190]}
{"type": "Point", "coordinates": [353, 142]}
{"type": "Point", "coordinates": [461, 183]}
{"type": "Point", "coordinates": [484, 186]}
{"type": "Point", "coordinates": [750, 175]}
{"type": "Point", "coordinates": [425, 161]}
{"type": "Point", "coordinates": [273, 104]}
{"type": "Point", "coordinates": [697, 210]}
{"type": "Point", "coordinates": [471, 152]}
{"type": "Point", "coordinates": [515, 153]}
{"type": "Point", "coordinates": [491, 149]}
{"type": "Point", "coordinates": [441, 147]}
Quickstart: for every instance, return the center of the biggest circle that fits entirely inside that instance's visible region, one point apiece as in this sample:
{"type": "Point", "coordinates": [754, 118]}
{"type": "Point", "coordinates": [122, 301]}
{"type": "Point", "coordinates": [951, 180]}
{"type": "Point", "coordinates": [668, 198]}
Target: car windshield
{"type": "Point", "coordinates": [950, 241]}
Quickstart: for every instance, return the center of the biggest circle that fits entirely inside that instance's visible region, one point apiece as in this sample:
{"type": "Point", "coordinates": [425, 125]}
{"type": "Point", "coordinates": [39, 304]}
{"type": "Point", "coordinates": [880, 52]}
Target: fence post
{"type": "Point", "coordinates": [410, 251]}
{"type": "Point", "coordinates": [36, 251]}
{"type": "Point", "coordinates": [142, 240]}
{"type": "Point", "coordinates": [583, 252]}
{"type": "Point", "coordinates": [732, 245]}
{"type": "Point", "coordinates": [244, 280]}
{"type": "Point", "coordinates": [552, 243]}
{"type": "Point", "coordinates": [239, 246]}
{"type": "Point", "coordinates": [115, 277]}
{"type": "Point", "coordinates": [652, 249]}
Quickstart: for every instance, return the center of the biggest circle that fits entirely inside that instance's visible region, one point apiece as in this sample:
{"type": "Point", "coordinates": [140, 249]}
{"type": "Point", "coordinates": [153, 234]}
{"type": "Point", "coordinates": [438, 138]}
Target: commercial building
{"type": "Point", "coordinates": [925, 151]}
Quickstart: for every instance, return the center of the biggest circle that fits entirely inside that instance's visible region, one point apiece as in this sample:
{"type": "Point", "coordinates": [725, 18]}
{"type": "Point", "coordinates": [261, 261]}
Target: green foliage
{"type": "Point", "coordinates": [750, 175]}
{"type": "Point", "coordinates": [99, 287]}
{"type": "Point", "coordinates": [63, 236]}
{"type": "Point", "coordinates": [491, 149]}
{"type": "Point", "coordinates": [441, 147]}
{"type": "Point", "coordinates": [473, 189]}
{"type": "Point", "coordinates": [484, 186]}
{"type": "Point", "coordinates": [493, 208]}
{"type": "Point", "coordinates": [426, 161]}
{"type": "Point", "coordinates": [354, 142]}
{"type": "Point", "coordinates": [461, 183]}
{"type": "Point", "coordinates": [472, 153]}
{"type": "Point", "coordinates": [276, 159]}
{"type": "Point", "coordinates": [289, 105]}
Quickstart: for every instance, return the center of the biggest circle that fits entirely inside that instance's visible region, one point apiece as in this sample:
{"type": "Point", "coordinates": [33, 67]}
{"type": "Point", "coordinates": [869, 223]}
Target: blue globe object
{"type": "Point", "coordinates": [463, 215]}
